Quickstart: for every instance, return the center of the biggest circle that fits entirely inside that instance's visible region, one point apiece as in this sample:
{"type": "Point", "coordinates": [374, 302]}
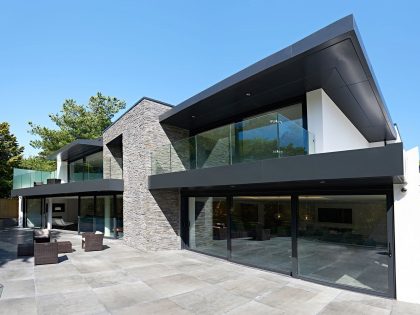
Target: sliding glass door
{"type": "Point", "coordinates": [34, 214]}
{"type": "Point", "coordinates": [261, 232]}
{"type": "Point", "coordinates": [341, 239]}
{"type": "Point", "coordinates": [344, 240]}
{"type": "Point", "coordinates": [208, 230]}
{"type": "Point", "coordinates": [87, 214]}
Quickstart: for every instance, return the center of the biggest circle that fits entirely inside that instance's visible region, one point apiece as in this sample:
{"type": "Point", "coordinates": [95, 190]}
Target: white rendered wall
{"type": "Point", "coordinates": [333, 131]}
{"type": "Point", "coordinates": [407, 236]}
{"type": "Point", "coordinates": [20, 218]}
{"type": "Point", "coordinates": [61, 170]}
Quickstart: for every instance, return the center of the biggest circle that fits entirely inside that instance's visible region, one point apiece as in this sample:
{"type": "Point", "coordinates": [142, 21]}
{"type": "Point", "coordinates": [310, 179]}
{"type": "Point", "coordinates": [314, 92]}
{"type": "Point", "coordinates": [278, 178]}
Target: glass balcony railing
{"type": "Point", "coordinates": [264, 137]}
{"type": "Point", "coordinates": [29, 178]}
{"type": "Point", "coordinates": [79, 171]}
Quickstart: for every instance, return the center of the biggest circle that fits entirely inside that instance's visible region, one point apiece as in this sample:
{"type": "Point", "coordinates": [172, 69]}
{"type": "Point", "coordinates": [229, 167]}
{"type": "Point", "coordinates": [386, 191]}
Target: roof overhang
{"type": "Point", "coordinates": [77, 149]}
{"type": "Point", "coordinates": [332, 58]}
{"type": "Point", "coordinates": [75, 188]}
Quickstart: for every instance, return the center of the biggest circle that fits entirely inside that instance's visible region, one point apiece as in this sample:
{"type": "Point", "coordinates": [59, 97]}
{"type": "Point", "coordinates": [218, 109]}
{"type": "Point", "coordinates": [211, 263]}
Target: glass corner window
{"type": "Point", "coordinates": [87, 168]}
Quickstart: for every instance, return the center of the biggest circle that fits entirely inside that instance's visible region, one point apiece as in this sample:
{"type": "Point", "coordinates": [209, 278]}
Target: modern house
{"type": "Point", "coordinates": [291, 165]}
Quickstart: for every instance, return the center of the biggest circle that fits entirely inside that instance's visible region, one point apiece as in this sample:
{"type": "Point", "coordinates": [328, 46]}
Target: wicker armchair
{"type": "Point", "coordinates": [92, 241]}
{"type": "Point", "coordinates": [46, 253]}
{"type": "Point", "coordinates": [41, 235]}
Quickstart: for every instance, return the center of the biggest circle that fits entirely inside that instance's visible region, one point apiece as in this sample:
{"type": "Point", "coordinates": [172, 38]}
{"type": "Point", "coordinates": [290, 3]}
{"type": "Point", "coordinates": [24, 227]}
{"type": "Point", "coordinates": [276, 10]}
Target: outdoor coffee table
{"type": "Point", "coordinates": [25, 249]}
{"type": "Point", "coordinates": [64, 247]}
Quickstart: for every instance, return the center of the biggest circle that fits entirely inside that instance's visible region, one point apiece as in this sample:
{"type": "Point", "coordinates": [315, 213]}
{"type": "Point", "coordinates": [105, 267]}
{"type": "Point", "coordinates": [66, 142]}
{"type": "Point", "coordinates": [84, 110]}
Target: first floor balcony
{"type": "Point", "coordinates": [269, 136]}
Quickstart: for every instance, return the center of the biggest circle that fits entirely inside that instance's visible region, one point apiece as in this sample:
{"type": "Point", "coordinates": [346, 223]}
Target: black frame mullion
{"type": "Point", "coordinates": [294, 232]}
{"type": "Point", "coordinates": [229, 209]}
{"type": "Point", "coordinates": [391, 244]}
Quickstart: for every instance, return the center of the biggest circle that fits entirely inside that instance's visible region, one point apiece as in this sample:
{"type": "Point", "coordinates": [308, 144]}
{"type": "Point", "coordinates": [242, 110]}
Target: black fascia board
{"type": "Point", "coordinates": [77, 148]}
{"type": "Point", "coordinates": [379, 162]}
{"type": "Point", "coordinates": [81, 187]}
{"type": "Point", "coordinates": [332, 58]}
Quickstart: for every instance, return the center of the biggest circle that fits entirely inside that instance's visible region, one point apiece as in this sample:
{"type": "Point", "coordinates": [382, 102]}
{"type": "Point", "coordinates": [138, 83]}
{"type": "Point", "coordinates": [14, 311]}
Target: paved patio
{"type": "Point", "coordinates": [122, 280]}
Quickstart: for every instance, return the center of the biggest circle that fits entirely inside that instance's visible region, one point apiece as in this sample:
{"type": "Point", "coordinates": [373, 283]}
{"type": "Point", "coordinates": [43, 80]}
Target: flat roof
{"type": "Point", "coordinates": [332, 58]}
{"type": "Point", "coordinates": [77, 149]}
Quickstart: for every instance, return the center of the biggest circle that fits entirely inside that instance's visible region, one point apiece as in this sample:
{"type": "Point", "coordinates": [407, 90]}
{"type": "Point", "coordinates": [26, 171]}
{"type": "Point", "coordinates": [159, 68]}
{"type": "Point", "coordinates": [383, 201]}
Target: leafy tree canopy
{"type": "Point", "coordinates": [10, 157]}
{"type": "Point", "coordinates": [37, 163]}
{"type": "Point", "coordinates": [76, 121]}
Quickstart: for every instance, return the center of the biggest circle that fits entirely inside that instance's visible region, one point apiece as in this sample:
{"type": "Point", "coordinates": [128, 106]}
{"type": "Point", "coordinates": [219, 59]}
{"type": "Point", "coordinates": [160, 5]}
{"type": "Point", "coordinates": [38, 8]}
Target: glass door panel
{"type": "Point", "coordinates": [104, 214]}
{"type": "Point", "coordinates": [34, 213]}
{"type": "Point", "coordinates": [343, 240]}
{"type": "Point", "coordinates": [261, 232]}
{"type": "Point", "coordinates": [87, 214]}
{"type": "Point", "coordinates": [208, 225]}
{"type": "Point", "coordinates": [118, 225]}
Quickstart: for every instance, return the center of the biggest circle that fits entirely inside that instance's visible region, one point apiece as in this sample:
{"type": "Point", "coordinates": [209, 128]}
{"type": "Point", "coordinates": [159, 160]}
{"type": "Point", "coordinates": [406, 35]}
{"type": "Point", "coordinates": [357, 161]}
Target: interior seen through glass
{"type": "Point", "coordinates": [341, 239]}
{"type": "Point", "coordinates": [260, 233]}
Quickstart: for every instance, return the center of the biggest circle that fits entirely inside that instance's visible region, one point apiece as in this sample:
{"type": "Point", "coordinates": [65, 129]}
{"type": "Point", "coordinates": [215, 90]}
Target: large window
{"type": "Point", "coordinates": [94, 166]}
{"type": "Point", "coordinates": [87, 214]}
{"type": "Point", "coordinates": [87, 168]}
{"type": "Point", "coordinates": [208, 225]}
{"type": "Point", "coordinates": [343, 240]}
{"type": "Point", "coordinates": [339, 239]}
{"type": "Point", "coordinates": [261, 232]}
{"type": "Point", "coordinates": [34, 213]}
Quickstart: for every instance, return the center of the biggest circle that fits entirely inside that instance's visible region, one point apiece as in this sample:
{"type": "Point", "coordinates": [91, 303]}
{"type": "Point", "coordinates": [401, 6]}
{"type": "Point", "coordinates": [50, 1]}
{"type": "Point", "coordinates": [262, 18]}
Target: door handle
{"type": "Point", "coordinates": [389, 250]}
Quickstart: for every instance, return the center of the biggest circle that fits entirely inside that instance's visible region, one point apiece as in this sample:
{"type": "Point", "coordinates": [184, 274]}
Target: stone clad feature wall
{"type": "Point", "coordinates": [151, 219]}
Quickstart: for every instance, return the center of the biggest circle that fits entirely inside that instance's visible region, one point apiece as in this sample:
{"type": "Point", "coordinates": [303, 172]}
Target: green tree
{"type": "Point", "coordinates": [10, 157]}
{"type": "Point", "coordinates": [37, 163]}
{"type": "Point", "coordinates": [76, 121]}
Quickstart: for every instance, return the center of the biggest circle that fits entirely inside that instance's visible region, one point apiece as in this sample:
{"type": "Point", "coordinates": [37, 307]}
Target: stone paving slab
{"type": "Point", "coordinates": [123, 280]}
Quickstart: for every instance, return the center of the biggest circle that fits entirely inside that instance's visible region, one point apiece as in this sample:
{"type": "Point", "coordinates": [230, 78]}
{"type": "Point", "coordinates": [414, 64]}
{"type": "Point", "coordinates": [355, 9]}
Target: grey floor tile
{"type": "Point", "coordinates": [250, 287]}
{"type": "Point", "coordinates": [7, 274]}
{"type": "Point", "coordinates": [18, 289]}
{"type": "Point", "coordinates": [124, 295]}
{"type": "Point", "coordinates": [64, 284]}
{"type": "Point", "coordinates": [108, 278]}
{"type": "Point", "coordinates": [175, 284]}
{"type": "Point", "coordinates": [57, 270]}
{"type": "Point", "coordinates": [73, 303]}
{"type": "Point", "coordinates": [161, 307]}
{"type": "Point", "coordinates": [151, 271]}
{"type": "Point", "coordinates": [26, 306]}
{"type": "Point", "coordinates": [351, 308]}
{"type": "Point", "coordinates": [255, 308]}
{"type": "Point", "coordinates": [209, 300]}
{"type": "Point", "coordinates": [402, 308]}
{"type": "Point", "coordinates": [286, 297]}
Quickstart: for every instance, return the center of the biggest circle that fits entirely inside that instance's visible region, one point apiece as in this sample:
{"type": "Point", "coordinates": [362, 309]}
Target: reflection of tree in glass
{"type": "Point", "coordinates": [291, 150]}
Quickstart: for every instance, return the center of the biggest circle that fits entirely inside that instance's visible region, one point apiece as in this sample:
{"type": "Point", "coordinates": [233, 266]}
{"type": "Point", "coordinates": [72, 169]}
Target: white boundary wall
{"type": "Point", "coordinates": [407, 234]}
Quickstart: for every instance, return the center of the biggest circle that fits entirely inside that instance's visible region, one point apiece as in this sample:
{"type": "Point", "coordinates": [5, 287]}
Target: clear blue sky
{"type": "Point", "coordinates": [170, 50]}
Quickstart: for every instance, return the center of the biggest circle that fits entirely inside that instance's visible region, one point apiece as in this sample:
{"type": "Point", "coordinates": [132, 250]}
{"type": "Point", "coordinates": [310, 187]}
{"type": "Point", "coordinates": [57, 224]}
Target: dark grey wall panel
{"type": "Point", "coordinates": [365, 163]}
{"type": "Point", "coordinates": [77, 149]}
{"type": "Point", "coordinates": [101, 185]}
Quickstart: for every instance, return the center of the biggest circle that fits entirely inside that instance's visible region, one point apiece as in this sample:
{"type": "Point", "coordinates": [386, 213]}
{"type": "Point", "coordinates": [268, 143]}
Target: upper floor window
{"type": "Point", "coordinates": [87, 168]}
